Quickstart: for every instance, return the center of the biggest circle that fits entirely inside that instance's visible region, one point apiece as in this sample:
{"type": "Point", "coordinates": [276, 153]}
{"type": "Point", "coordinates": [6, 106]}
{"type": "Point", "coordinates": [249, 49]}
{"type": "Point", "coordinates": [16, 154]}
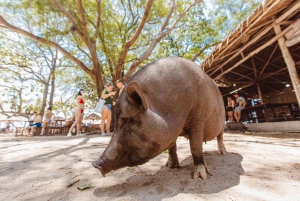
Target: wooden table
{"type": "Point", "coordinates": [267, 112]}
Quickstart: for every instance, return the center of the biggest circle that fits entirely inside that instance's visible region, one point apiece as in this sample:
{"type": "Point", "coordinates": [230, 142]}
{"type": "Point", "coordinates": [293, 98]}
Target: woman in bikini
{"type": "Point", "coordinates": [230, 108]}
{"type": "Point", "coordinates": [106, 112]}
{"type": "Point", "coordinates": [79, 113]}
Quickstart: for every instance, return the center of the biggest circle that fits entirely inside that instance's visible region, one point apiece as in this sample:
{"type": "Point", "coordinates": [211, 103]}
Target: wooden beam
{"type": "Point", "coordinates": [267, 63]}
{"type": "Point", "coordinates": [241, 75]}
{"type": "Point", "coordinates": [253, 52]}
{"type": "Point", "coordinates": [263, 77]}
{"type": "Point", "coordinates": [294, 31]}
{"type": "Point", "coordinates": [256, 81]}
{"type": "Point", "coordinates": [253, 23]}
{"type": "Point", "coordinates": [293, 41]}
{"type": "Point", "coordinates": [289, 62]}
{"type": "Point", "coordinates": [261, 34]}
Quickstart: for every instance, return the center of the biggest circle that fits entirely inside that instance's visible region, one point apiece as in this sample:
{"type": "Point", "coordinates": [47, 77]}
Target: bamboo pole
{"type": "Point", "coordinates": [257, 50]}
{"type": "Point", "coordinates": [255, 39]}
{"type": "Point", "coordinates": [289, 62]}
{"type": "Point", "coordinates": [256, 81]}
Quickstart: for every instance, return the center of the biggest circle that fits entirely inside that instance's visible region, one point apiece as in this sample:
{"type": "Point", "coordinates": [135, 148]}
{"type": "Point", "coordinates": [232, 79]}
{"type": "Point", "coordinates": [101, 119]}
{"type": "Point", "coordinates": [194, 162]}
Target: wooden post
{"type": "Point", "coordinates": [289, 62]}
{"type": "Point", "coordinates": [256, 81]}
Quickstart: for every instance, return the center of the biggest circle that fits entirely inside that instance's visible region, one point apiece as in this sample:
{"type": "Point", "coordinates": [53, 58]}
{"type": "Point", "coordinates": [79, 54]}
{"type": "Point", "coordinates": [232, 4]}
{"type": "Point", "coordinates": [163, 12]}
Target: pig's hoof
{"type": "Point", "coordinates": [172, 164]}
{"type": "Point", "coordinates": [221, 150]}
{"type": "Point", "coordinates": [201, 171]}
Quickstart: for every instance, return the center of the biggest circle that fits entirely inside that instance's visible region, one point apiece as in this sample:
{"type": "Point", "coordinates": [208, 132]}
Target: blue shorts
{"type": "Point", "coordinates": [238, 108]}
{"type": "Point", "coordinates": [36, 124]}
{"type": "Point", "coordinates": [108, 106]}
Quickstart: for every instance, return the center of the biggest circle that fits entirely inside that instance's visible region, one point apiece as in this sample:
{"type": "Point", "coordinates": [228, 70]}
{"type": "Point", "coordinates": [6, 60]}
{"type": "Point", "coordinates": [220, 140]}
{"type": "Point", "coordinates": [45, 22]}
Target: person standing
{"type": "Point", "coordinates": [7, 126]}
{"type": "Point", "coordinates": [37, 123]}
{"type": "Point", "coordinates": [120, 85]}
{"type": "Point", "coordinates": [79, 113]}
{"type": "Point", "coordinates": [107, 95]}
{"type": "Point", "coordinates": [230, 108]}
{"type": "Point", "coordinates": [47, 120]}
{"type": "Point", "coordinates": [240, 104]}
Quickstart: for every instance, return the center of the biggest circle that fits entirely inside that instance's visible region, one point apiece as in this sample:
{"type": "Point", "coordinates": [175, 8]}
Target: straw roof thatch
{"type": "Point", "coordinates": [251, 53]}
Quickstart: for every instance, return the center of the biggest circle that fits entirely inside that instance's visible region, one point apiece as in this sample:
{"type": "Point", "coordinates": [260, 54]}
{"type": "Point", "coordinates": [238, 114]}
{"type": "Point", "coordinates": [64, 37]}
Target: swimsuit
{"type": "Point", "coordinates": [36, 124]}
{"type": "Point", "coordinates": [230, 106]}
{"type": "Point", "coordinates": [81, 102]}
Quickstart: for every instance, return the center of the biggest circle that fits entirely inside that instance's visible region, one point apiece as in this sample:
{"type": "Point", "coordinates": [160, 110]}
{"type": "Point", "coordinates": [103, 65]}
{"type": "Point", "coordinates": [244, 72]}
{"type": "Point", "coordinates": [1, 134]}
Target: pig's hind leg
{"type": "Point", "coordinates": [173, 159]}
{"type": "Point", "coordinates": [221, 146]}
{"type": "Point", "coordinates": [196, 143]}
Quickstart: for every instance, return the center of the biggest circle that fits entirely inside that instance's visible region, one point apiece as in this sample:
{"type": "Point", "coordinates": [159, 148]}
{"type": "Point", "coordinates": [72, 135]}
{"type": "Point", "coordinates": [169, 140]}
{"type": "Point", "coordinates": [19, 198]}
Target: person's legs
{"type": "Point", "coordinates": [239, 115]}
{"type": "Point", "coordinates": [103, 118]}
{"type": "Point", "coordinates": [79, 123]}
{"type": "Point", "coordinates": [108, 122]}
{"type": "Point", "coordinates": [77, 119]}
{"type": "Point", "coordinates": [32, 129]}
{"type": "Point", "coordinates": [235, 115]}
{"type": "Point", "coordinates": [45, 124]}
{"type": "Point", "coordinates": [26, 129]}
{"type": "Point", "coordinates": [230, 117]}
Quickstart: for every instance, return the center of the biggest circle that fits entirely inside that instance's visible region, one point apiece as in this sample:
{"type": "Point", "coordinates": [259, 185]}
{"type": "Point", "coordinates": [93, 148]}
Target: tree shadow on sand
{"type": "Point", "coordinates": [225, 169]}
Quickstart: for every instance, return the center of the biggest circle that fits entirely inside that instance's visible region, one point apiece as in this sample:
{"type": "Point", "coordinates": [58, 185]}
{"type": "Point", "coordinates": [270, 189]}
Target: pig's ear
{"type": "Point", "coordinates": [135, 96]}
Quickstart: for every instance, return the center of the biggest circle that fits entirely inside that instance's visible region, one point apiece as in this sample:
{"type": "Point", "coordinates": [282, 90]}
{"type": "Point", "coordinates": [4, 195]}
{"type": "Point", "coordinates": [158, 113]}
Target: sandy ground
{"type": "Point", "coordinates": [256, 167]}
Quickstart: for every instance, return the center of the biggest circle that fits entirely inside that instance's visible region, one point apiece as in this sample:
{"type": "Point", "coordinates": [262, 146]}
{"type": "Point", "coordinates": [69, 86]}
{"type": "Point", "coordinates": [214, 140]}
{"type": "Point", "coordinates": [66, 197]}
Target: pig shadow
{"type": "Point", "coordinates": [166, 183]}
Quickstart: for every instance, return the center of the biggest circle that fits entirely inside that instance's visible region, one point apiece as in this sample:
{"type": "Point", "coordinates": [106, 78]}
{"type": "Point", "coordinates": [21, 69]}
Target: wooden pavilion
{"type": "Point", "coordinates": [261, 58]}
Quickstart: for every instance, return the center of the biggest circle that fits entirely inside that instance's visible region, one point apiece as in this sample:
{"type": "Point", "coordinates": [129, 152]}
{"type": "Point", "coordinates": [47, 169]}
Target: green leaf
{"type": "Point", "coordinates": [84, 186]}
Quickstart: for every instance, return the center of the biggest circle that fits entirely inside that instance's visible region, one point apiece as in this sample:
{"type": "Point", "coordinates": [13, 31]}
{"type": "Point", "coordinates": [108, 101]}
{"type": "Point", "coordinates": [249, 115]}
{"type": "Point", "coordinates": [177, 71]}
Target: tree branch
{"type": "Point", "coordinates": [82, 16]}
{"type": "Point", "coordinates": [154, 42]}
{"type": "Point", "coordinates": [46, 42]}
{"type": "Point", "coordinates": [203, 49]}
{"type": "Point", "coordinates": [173, 5]}
{"type": "Point", "coordinates": [134, 37]}
{"type": "Point", "coordinates": [99, 11]}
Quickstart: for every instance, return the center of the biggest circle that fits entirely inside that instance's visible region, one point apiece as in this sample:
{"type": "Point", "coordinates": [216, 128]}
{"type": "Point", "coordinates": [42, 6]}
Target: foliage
{"type": "Point", "coordinates": [94, 40]}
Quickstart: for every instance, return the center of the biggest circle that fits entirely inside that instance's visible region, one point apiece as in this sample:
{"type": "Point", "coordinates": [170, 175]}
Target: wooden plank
{"type": "Point", "coordinates": [294, 31]}
{"type": "Point", "coordinates": [293, 41]}
{"type": "Point", "coordinates": [289, 62]}
{"type": "Point", "coordinates": [251, 24]}
{"type": "Point", "coordinates": [257, 82]}
{"type": "Point", "coordinates": [261, 34]}
{"type": "Point", "coordinates": [263, 77]}
{"type": "Point", "coordinates": [267, 63]}
{"type": "Point", "coordinates": [253, 52]}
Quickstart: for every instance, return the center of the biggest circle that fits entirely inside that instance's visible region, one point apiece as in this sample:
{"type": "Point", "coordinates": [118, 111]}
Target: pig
{"type": "Point", "coordinates": [165, 99]}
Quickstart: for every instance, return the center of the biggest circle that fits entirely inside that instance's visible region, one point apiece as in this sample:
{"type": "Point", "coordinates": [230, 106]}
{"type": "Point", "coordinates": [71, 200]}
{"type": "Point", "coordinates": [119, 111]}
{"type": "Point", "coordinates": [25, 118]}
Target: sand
{"type": "Point", "coordinates": [262, 166]}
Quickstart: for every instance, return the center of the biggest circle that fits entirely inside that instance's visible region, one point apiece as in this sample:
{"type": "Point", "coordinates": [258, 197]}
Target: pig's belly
{"type": "Point", "coordinates": [212, 128]}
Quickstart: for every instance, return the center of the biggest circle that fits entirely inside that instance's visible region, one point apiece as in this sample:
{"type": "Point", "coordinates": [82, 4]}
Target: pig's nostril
{"type": "Point", "coordinates": [96, 165]}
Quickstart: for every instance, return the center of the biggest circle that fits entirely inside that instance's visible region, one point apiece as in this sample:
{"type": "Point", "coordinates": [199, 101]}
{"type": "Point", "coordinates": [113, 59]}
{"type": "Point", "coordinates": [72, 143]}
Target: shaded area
{"type": "Point", "coordinates": [162, 181]}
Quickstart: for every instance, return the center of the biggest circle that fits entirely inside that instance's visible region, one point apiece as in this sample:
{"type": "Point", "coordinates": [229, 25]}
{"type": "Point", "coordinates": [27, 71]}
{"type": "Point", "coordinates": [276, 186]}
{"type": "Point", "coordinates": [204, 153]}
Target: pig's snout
{"type": "Point", "coordinates": [99, 164]}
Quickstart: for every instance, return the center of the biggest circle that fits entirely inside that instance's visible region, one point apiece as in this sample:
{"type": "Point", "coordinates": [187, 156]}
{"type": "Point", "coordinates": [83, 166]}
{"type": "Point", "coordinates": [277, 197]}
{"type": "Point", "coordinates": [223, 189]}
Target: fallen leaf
{"type": "Point", "coordinates": [84, 186]}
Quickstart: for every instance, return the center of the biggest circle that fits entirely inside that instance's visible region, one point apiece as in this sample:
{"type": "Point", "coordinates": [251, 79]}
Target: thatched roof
{"type": "Point", "coordinates": [253, 44]}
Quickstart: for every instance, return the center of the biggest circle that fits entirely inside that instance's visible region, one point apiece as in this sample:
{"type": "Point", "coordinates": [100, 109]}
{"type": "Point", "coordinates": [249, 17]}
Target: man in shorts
{"type": "Point", "coordinates": [240, 104]}
{"type": "Point", "coordinates": [37, 123]}
{"type": "Point", "coordinates": [47, 119]}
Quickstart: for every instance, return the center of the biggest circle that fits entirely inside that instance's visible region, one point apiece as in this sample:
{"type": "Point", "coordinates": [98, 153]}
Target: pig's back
{"type": "Point", "coordinates": [178, 89]}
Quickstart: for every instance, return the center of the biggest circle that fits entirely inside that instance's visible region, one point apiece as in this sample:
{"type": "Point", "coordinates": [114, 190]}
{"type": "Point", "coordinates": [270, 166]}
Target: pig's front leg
{"type": "Point", "coordinates": [173, 159]}
{"type": "Point", "coordinates": [196, 142]}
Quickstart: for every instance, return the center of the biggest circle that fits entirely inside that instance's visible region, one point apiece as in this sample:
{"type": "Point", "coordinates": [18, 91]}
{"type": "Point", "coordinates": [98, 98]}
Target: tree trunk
{"type": "Point", "coordinates": [46, 89]}
{"type": "Point", "coordinates": [97, 77]}
{"type": "Point", "coordinates": [52, 89]}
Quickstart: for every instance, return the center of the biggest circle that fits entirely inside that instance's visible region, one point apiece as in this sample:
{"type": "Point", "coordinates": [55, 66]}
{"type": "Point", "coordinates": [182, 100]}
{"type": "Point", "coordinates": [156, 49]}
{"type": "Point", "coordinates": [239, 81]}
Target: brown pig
{"type": "Point", "coordinates": [168, 98]}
